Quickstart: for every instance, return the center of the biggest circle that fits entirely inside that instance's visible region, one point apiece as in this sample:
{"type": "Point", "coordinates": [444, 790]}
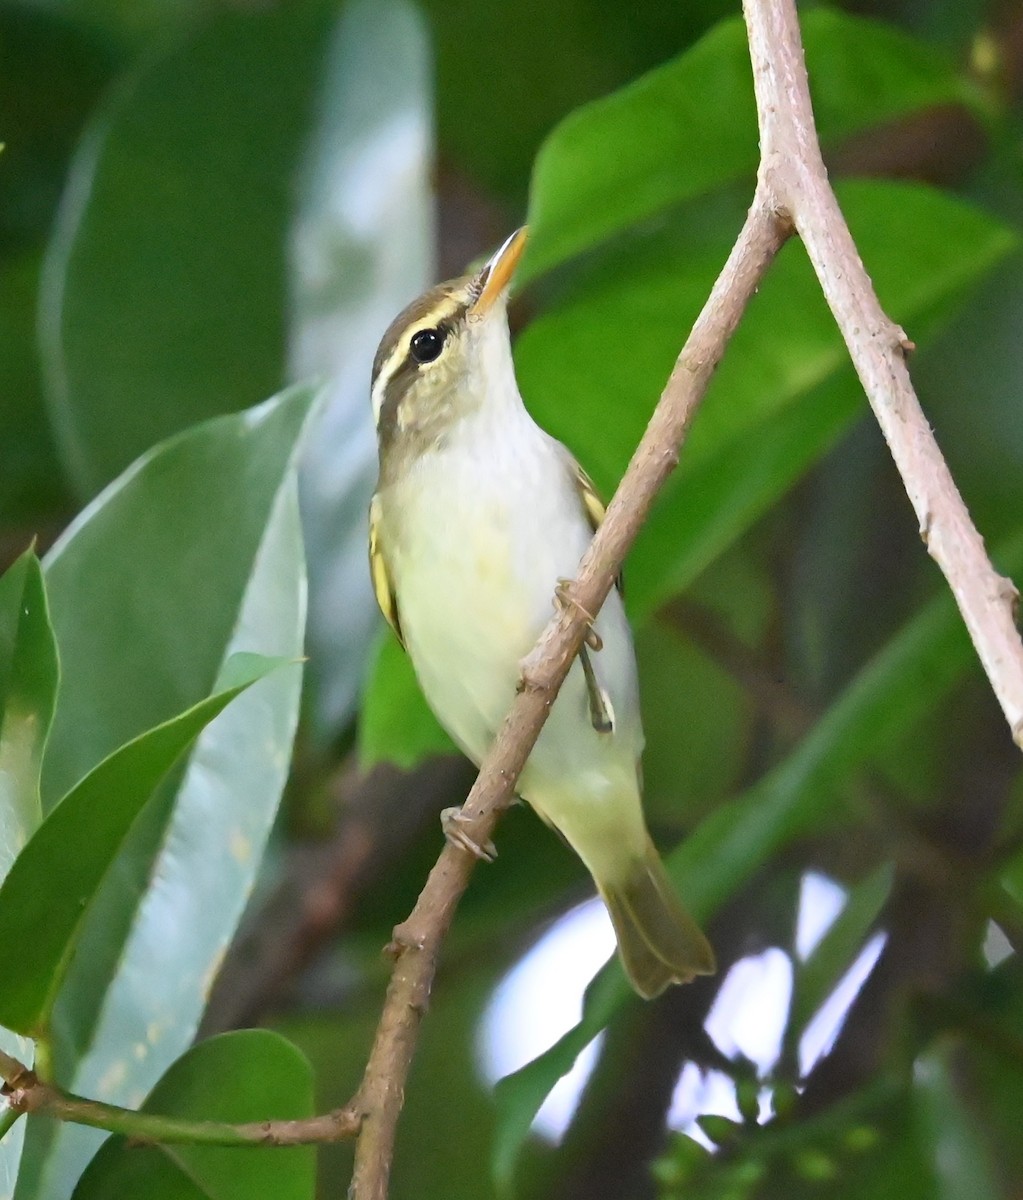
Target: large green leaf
{"type": "Point", "coordinates": [361, 249]}
{"type": "Point", "coordinates": [148, 584]}
{"type": "Point", "coordinates": [28, 690]}
{"type": "Point", "coordinates": [51, 73]}
{"type": "Point", "coordinates": [28, 693]}
{"type": "Point", "coordinates": [690, 126]}
{"type": "Point", "coordinates": [31, 484]}
{"type": "Point", "coordinates": [696, 721]}
{"type": "Point", "coordinates": [780, 399]}
{"type": "Point", "coordinates": [754, 433]}
{"type": "Point", "coordinates": [907, 679]}
{"type": "Point", "coordinates": [252, 1075]}
{"type": "Point", "coordinates": [196, 550]}
{"type": "Point", "coordinates": [39, 922]}
{"type": "Point", "coordinates": [165, 289]}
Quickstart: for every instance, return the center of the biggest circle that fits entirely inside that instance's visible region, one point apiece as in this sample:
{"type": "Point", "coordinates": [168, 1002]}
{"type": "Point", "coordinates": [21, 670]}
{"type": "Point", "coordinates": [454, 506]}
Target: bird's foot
{"type": "Point", "coordinates": [451, 821]}
{"type": "Point", "coordinates": [563, 598]}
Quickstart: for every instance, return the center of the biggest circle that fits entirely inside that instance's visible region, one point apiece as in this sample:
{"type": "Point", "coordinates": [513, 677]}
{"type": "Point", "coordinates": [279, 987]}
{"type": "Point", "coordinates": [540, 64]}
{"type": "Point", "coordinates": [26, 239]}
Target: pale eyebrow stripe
{"type": "Point", "coordinates": [442, 312]}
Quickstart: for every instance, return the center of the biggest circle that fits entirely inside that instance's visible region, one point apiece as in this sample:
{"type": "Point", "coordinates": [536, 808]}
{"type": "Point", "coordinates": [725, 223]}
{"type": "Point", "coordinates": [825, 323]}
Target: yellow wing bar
{"type": "Point", "coordinates": [382, 587]}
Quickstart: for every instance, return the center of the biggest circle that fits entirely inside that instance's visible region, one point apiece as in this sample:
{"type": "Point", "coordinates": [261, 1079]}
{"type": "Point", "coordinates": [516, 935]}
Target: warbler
{"type": "Point", "coordinates": [478, 520]}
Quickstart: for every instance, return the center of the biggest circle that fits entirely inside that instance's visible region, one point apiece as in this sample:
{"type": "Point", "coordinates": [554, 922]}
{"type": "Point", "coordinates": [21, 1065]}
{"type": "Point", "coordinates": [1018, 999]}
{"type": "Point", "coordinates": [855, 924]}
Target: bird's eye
{"type": "Point", "coordinates": [426, 345]}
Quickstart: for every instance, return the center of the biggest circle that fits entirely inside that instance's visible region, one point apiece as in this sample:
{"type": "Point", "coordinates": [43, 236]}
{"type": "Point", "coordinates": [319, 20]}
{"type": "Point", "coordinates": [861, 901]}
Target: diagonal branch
{"type": "Point", "coordinates": [794, 177]}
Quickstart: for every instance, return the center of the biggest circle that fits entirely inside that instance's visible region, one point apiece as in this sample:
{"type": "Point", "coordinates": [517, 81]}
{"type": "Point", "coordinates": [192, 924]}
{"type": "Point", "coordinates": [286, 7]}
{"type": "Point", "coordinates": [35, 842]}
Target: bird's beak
{"type": "Point", "coordinates": [496, 275]}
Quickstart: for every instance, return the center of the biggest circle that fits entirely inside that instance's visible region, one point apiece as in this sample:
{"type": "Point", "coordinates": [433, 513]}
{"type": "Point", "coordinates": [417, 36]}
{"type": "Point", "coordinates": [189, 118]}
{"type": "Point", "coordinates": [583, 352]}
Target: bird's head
{"type": "Point", "coordinates": [445, 355]}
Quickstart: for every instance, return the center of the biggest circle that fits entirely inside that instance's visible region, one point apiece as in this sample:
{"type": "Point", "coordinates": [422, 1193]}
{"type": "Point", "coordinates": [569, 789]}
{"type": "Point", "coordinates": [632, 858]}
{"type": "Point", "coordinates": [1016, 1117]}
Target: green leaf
{"type": "Point", "coordinates": [696, 721]}
{"type": "Point", "coordinates": [361, 249]}
{"type": "Point", "coordinates": [28, 691]}
{"type": "Point", "coordinates": [28, 688]}
{"type": "Point", "coordinates": [395, 724]}
{"type": "Point", "coordinates": [164, 298]}
{"type": "Point", "coordinates": [198, 551]}
{"type": "Point", "coordinates": [900, 684]}
{"type": "Point", "coordinates": [75, 845]}
{"type": "Point", "coordinates": [252, 1075]}
{"type": "Point", "coordinates": [31, 484]}
{"type": "Point", "coordinates": [950, 1136]}
{"type": "Point", "coordinates": [690, 127]}
{"type": "Point", "coordinates": [148, 583]}
{"type": "Point", "coordinates": [761, 424]}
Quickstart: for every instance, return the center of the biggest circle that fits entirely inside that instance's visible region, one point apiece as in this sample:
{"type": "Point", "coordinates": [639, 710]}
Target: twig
{"type": "Point", "coordinates": [794, 178]}
{"type": "Point", "coordinates": [24, 1092]}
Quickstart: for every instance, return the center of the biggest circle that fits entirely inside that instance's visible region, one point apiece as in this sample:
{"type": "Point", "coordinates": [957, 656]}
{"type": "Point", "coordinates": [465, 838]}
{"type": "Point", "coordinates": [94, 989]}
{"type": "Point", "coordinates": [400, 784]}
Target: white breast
{"type": "Point", "coordinates": [478, 534]}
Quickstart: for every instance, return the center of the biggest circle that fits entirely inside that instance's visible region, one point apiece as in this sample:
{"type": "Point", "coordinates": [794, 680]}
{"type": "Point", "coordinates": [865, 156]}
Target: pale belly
{"type": "Point", "coordinates": [475, 558]}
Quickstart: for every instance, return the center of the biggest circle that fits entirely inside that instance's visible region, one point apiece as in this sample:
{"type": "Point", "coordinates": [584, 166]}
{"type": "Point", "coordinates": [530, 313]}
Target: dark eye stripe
{"type": "Point", "coordinates": [437, 308]}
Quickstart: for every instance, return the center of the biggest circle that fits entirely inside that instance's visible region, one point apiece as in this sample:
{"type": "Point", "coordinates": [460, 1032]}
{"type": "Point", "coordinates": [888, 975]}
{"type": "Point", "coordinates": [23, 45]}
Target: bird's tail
{"type": "Point", "coordinates": [659, 942]}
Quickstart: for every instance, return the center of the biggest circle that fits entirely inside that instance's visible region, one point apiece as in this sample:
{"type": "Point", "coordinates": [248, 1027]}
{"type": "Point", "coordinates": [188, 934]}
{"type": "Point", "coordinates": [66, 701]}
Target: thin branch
{"type": "Point", "coordinates": [793, 174]}
{"type": "Point", "coordinates": [24, 1092]}
{"type": "Point", "coordinates": [792, 192]}
{"type": "Point", "coordinates": [417, 941]}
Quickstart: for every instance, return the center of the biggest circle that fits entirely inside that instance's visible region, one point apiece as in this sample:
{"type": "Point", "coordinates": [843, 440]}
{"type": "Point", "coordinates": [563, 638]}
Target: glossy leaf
{"type": "Point", "coordinates": [899, 685]}
{"type": "Point", "coordinates": [690, 127]}
{"type": "Point", "coordinates": [211, 519]}
{"type": "Point", "coordinates": [28, 688]}
{"type": "Point", "coordinates": [76, 845]}
{"type": "Point", "coordinates": [251, 1075]}
{"type": "Point", "coordinates": [147, 584]}
{"type": "Point", "coordinates": [165, 289]}
{"type": "Point", "coordinates": [361, 249]}
{"type": "Point", "coordinates": [28, 692]}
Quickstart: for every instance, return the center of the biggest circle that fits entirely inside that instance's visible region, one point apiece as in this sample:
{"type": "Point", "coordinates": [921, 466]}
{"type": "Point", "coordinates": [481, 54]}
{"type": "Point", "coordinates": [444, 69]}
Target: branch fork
{"type": "Point", "coordinates": [792, 196]}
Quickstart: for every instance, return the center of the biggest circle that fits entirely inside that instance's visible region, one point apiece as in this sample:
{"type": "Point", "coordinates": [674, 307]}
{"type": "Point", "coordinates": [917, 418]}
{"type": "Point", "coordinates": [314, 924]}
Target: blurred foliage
{"type": "Point", "coordinates": [200, 200]}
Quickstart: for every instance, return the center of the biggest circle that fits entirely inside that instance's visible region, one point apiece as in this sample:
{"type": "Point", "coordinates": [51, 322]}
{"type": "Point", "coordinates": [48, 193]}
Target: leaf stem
{"type": "Point", "coordinates": [26, 1093]}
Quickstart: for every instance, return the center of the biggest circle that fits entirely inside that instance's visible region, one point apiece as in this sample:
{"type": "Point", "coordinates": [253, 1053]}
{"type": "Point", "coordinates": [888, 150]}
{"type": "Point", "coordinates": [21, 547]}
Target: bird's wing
{"type": "Point", "coordinates": [601, 712]}
{"type": "Point", "coordinates": [382, 586]}
{"type": "Point", "coordinates": [593, 506]}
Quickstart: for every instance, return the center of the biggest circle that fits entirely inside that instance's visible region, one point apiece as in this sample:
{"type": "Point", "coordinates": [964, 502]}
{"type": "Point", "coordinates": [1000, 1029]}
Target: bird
{"type": "Point", "coordinates": [478, 521]}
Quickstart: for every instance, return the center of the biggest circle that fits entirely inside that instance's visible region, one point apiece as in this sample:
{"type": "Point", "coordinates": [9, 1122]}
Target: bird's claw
{"type": "Point", "coordinates": [563, 598]}
{"type": "Point", "coordinates": [451, 821]}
